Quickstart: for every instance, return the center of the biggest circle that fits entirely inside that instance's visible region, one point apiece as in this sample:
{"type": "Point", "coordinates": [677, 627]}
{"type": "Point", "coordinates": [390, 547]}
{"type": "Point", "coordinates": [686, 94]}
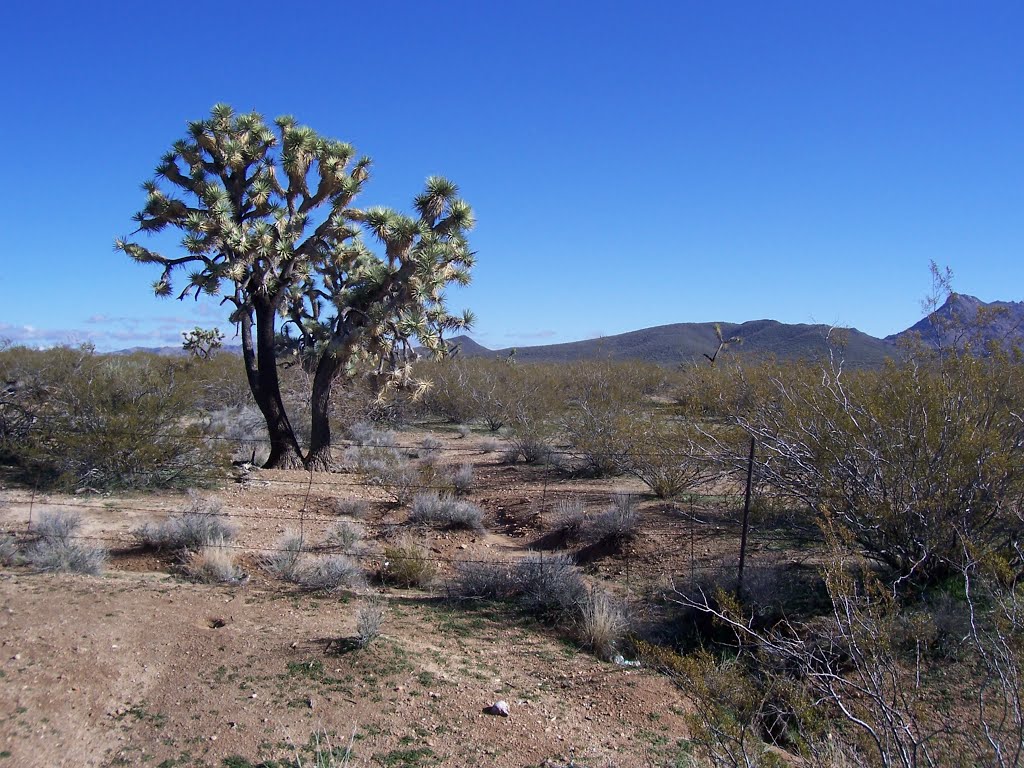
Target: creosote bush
{"type": "Point", "coordinates": [74, 419]}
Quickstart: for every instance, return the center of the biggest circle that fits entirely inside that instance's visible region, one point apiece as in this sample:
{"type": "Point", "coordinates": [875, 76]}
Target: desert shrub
{"type": "Point", "coordinates": [617, 525]}
{"type": "Point", "coordinates": [65, 557]}
{"type": "Point", "coordinates": [488, 578]}
{"type": "Point", "coordinates": [450, 392]}
{"type": "Point", "coordinates": [345, 535]}
{"type": "Point", "coordinates": [430, 447]}
{"type": "Point", "coordinates": [285, 558]}
{"type": "Point", "coordinates": [551, 585]}
{"type": "Point", "coordinates": [603, 623]}
{"type": "Point", "coordinates": [914, 460]}
{"type": "Point", "coordinates": [243, 429]}
{"type": "Point", "coordinates": [391, 472]}
{"type": "Point", "coordinates": [369, 619]}
{"type": "Point", "coordinates": [463, 430]}
{"type": "Point", "coordinates": [55, 549]}
{"type": "Point", "coordinates": [462, 478]}
{"type": "Point", "coordinates": [357, 508]}
{"type": "Point", "coordinates": [446, 512]}
{"type": "Point", "coordinates": [328, 574]}
{"type": "Point", "coordinates": [87, 420]}
{"type": "Point", "coordinates": [57, 526]}
{"type": "Point", "coordinates": [408, 564]}
{"type": "Point", "coordinates": [213, 563]}
{"type": "Point", "coordinates": [489, 445]}
{"type": "Point", "coordinates": [200, 525]}
{"type": "Point", "coordinates": [365, 434]}
{"type": "Point", "coordinates": [9, 550]}
{"type": "Point", "coordinates": [668, 458]}
{"type": "Point", "coordinates": [605, 409]}
{"type": "Point", "coordinates": [569, 520]}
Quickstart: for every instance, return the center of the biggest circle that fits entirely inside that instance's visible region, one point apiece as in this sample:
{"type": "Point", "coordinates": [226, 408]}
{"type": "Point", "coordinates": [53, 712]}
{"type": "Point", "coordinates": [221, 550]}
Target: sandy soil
{"type": "Point", "coordinates": [139, 666]}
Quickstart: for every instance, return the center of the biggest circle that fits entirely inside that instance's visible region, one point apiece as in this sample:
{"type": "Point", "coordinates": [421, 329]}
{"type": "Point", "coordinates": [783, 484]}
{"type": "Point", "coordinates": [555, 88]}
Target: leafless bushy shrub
{"type": "Point", "coordinates": [392, 473]}
{"type": "Point", "coordinates": [213, 563]}
{"type": "Point", "coordinates": [365, 434]}
{"type": "Point", "coordinates": [54, 548]}
{"type": "Point", "coordinates": [430, 447]}
{"type": "Point", "coordinates": [65, 557]}
{"type": "Point", "coordinates": [617, 525]}
{"type": "Point", "coordinates": [489, 578]}
{"type": "Point", "coordinates": [569, 520]}
{"type": "Point", "coordinates": [328, 574]}
{"type": "Point", "coordinates": [603, 623]}
{"type": "Point", "coordinates": [369, 619]}
{"type": "Point", "coordinates": [550, 585]}
{"type": "Point", "coordinates": [445, 511]}
{"type": "Point", "coordinates": [57, 526]}
{"type": "Point", "coordinates": [407, 564]}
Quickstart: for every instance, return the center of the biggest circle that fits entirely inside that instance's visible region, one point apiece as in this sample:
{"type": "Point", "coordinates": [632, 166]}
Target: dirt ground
{"type": "Point", "coordinates": [139, 666]}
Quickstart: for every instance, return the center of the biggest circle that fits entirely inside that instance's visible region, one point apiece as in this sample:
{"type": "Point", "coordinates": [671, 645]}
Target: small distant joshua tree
{"type": "Point", "coordinates": [723, 344]}
{"type": "Point", "coordinates": [202, 342]}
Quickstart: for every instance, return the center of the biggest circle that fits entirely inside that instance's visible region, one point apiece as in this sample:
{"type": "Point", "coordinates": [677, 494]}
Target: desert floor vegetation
{"type": "Point", "coordinates": [576, 560]}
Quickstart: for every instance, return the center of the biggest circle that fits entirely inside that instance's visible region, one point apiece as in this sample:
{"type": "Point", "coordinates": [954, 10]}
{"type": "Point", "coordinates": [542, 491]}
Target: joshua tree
{"type": "Point", "coordinates": [270, 225]}
{"type": "Point", "coordinates": [202, 342]}
{"type": "Point", "coordinates": [723, 344]}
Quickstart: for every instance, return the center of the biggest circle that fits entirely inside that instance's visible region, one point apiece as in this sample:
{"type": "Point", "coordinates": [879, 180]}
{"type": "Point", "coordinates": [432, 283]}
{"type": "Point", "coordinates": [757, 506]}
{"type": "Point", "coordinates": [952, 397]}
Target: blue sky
{"type": "Point", "coordinates": [630, 164]}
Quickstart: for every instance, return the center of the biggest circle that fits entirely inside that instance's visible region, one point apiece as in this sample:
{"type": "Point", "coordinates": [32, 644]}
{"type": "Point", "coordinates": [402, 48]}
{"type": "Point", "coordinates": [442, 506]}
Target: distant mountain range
{"type": "Point", "coordinates": [1002, 321]}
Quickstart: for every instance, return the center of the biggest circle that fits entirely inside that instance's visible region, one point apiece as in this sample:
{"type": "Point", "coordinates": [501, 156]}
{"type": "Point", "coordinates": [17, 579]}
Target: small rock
{"type": "Point", "coordinates": [499, 708]}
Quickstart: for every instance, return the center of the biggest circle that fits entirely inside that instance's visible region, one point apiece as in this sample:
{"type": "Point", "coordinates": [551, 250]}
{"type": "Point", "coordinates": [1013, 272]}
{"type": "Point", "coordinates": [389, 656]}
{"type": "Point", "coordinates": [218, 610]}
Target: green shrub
{"type": "Point", "coordinates": [75, 419]}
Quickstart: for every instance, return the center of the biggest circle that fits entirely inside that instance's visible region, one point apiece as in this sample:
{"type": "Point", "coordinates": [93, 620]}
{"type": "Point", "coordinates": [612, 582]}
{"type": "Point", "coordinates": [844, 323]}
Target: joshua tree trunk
{"type": "Point", "coordinates": [261, 370]}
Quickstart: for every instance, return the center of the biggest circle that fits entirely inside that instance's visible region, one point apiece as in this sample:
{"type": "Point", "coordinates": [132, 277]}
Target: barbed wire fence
{"type": "Point", "coordinates": [703, 530]}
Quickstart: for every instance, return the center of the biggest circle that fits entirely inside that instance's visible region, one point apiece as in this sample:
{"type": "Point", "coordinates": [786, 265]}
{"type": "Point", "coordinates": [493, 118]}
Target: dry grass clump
{"type": "Point", "coordinates": [55, 551]}
{"type": "Point", "coordinates": [328, 574]}
{"type": "Point", "coordinates": [446, 512]}
{"type": "Point", "coordinates": [369, 619]}
{"type": "Point", "coordinates": [203, 524]}
{"type": "Point", "coordinates": [213, 563]}
{"type": "Point", "coordinates": [407, 564]}
{"type": "Point", "coordinates": [430, 447]}
{"type": "Point", "coordinates": [389, 470]}
{"type": "Point", "coordinates": [603, 623]}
